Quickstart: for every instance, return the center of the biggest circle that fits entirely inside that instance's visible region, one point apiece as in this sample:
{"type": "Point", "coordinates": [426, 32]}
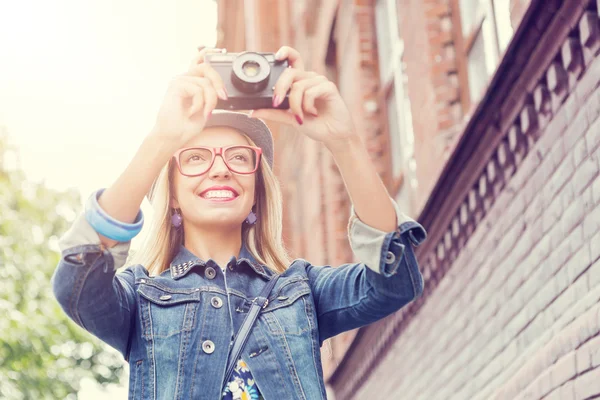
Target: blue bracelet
{"type": "Point", "coordinates": [106, 225]}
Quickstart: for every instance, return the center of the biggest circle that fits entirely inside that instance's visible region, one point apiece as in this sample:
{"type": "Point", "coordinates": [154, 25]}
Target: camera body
{"type": "Point", "coordinates": [249, 78]}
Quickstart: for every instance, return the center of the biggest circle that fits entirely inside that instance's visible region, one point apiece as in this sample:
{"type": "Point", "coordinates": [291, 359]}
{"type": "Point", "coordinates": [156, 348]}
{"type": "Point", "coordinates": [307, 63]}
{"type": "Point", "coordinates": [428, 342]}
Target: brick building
{"type": "Point", "coordinates": [482, 119]}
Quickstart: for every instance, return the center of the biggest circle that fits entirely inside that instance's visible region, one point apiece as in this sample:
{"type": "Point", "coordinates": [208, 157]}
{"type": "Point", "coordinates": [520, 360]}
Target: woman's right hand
{"type": "Point", "coordinates": [189, 100]}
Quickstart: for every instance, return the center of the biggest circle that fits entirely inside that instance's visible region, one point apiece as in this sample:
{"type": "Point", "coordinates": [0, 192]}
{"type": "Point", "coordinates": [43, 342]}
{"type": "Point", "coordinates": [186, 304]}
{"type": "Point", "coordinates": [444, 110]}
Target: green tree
{"type": "Point", "coordinates": [43, 354]}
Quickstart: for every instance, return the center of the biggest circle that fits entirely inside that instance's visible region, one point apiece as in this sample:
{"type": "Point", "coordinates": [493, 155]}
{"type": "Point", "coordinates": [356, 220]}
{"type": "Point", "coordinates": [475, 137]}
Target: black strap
{"type": "Point", "coordinates": [258, 303]}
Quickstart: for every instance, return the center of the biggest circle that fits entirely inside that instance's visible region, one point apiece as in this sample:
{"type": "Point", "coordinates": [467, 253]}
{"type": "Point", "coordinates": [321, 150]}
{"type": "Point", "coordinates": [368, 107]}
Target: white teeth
{"type": "Point", "coordinates": [218, 194]}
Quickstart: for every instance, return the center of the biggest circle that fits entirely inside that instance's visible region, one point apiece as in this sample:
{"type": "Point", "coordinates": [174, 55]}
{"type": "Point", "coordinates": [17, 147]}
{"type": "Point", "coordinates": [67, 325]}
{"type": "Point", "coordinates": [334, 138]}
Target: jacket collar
{"type": "Point", "coordinates": [185, 260]}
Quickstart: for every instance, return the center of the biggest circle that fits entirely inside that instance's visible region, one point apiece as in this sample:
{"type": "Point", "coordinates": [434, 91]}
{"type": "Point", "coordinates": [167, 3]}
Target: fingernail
{"type": "Point", "coordinates": [276, 101]}
{"type": "Point", "coordinates": [251, 114]}
{"type": "Point", "coordinates": [222, 94]}
{"type": "Point", "coordinates": [279, 54]}
{"type": "Point", "coordinates": [299, 119]}
{"type": "Point", "coordinates": [207, 114]}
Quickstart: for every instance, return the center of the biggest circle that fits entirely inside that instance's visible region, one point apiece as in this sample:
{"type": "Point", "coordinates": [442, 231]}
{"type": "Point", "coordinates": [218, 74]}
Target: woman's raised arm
{"type": "Point", "coordinates": [85, 282]}
{"type": "Point", "coordinates": [189, 100]}
{"type": "Point", "coordinates": [387, 276]}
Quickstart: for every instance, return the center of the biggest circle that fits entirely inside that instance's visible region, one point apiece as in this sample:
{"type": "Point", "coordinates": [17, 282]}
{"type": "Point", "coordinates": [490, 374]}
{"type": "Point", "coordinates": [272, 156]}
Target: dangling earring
{"type": "Point", "coordinates": [176, 219]}
{"type": "Point", "coordinates": [251, 218]}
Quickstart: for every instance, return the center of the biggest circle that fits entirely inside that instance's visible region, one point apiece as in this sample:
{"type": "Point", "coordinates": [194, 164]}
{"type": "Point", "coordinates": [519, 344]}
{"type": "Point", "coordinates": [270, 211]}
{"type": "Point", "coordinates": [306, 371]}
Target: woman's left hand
{"type": "Point", "coordinates": [316, 106]}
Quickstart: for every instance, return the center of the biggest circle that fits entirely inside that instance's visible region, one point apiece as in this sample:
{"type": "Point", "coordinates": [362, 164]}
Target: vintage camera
{"type": "Point", "coordinates": [249, 79]}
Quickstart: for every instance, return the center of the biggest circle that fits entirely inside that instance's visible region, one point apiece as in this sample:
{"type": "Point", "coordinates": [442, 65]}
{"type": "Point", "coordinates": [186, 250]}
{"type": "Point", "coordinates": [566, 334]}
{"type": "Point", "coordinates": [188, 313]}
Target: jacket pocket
{"type": "Point", "coordinates": [166, 312]}
{"type": "Point", "coordinates": [290, 309]}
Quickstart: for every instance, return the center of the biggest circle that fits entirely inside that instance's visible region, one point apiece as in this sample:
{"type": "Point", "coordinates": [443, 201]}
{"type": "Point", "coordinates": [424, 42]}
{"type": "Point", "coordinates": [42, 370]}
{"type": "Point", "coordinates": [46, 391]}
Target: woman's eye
{"type": "Point", "coordinates": [195, 157]}
{"type": "Point", "coordinates": [239, 157]}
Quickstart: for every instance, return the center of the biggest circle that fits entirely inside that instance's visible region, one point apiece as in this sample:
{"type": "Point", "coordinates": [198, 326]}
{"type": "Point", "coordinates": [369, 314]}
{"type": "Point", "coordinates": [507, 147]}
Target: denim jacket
{"type": "Point", "coordinates": [176, 329]}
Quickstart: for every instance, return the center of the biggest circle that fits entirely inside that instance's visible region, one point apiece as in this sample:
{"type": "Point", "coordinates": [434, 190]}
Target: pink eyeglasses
{"type": "Point", "coordinates": [194, 161]}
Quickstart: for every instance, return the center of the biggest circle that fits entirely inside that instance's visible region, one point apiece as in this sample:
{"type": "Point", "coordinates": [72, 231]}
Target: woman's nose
{"type": "Point", "coordinates": [219, 167]}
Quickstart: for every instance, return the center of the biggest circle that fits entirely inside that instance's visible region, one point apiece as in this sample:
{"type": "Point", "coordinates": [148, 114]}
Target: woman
{"type": "Point", "coordinates": [217, 240]}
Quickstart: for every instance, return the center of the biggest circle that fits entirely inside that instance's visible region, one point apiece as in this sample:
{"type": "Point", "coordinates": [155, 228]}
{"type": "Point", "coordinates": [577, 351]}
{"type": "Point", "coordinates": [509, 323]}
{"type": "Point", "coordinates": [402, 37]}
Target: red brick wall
{"type": "Point", "coordinates": [427, 29]}
{"type": "Point", "coordinates": [517, 314]}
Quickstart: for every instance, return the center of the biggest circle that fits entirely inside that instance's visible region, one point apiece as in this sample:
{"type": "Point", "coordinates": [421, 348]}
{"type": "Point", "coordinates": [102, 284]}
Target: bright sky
{"type": "Point", "coordinates": [81, 81]}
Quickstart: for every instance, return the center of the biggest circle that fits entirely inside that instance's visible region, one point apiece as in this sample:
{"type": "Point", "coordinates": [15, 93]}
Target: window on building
{"type": "Point", "coordinates": [399, 118]}
{"type": "Point", "coordinates": [486, 30]}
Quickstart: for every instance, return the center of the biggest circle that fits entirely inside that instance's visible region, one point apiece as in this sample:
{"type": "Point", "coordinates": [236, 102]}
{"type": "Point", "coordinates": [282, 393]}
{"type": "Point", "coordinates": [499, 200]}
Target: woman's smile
{"type": "Point", "coordinates": [219, 199]}
{"type": "Point", "coordinates": [219, 194]}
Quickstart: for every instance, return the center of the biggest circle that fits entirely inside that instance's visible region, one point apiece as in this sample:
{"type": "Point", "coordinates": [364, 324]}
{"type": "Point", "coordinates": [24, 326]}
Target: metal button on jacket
{"type": "Point", "coordinates": [210, 273]}
{"type": "Point", "coordinates": [390, 257]}
{"type": "Point", "coordinates": [208, 346]}
{"type": "Point", "coordinates": [165, 297]}
{"type": "Point", "coordinates": [216, 302]}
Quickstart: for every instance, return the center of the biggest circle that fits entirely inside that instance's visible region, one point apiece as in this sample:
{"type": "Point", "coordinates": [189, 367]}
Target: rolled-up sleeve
{"type": "Point", "coordinates": [385, 278]}
{"type": "Point", "coordinates": [385, 252]}
{"type": "Point", "coordinates": [89, 290]}
{"type": "Point", "coordinates": [81, 233]}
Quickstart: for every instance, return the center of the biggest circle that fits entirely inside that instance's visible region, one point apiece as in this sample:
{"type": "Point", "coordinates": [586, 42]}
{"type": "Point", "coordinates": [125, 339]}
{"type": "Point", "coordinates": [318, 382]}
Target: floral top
{"type": "Point", "coordinates": [241, 386]}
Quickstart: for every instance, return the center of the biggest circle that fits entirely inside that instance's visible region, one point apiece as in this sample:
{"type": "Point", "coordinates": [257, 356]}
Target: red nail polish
{"type": "Point", "coordinates": [276, 101]}
{"type": "Point", "coordinates": [299, 119]}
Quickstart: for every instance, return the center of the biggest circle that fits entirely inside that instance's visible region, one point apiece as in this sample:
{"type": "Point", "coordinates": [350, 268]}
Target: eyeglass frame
{"type": "Point", "coordinates": [218, 151]}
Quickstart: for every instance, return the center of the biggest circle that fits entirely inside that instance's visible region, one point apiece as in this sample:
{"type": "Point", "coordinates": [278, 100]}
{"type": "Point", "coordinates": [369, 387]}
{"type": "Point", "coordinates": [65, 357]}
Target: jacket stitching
{"type": "Point", "coordinates": [183, 352]}
{"type": "Point", "coordinates": [272, 305]}
{"type": "Point", "coordinates": [243, 296]}
{"type": "Point", "coordinates": [289, 282]}
{"type": "Point", "coordinates": [309, 314]}
{"type": "Point", "coordinates": [136, 379]}
{"type": "Point", "coordinates": [142, 379]}
{"type": "Point", "coordinates": [288, 302]}
{"type": "Point", "coordinates": [158, 301]}
{"type": "Point", "coordinates": [269, 316]}
{"type": "Point", "coordinates": [74, 303]}
{"type": "Point", "coordinates": [150, 282]}
{"type": "Point", "coordinates": [409, 264]}
{"type": "Point", "coordinates": [259, 331]}
{"type": "Point", "coordinates": [153, 369]}
{"type": "Point", "coordinates": [293, 371]}
{"type": "Point", "coordinates": [198, 354]}
{"type": "Point", "coordinates": [128, 291]}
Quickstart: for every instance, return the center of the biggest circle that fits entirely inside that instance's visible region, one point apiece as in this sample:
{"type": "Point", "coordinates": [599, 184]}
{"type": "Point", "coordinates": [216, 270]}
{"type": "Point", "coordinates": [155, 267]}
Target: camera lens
{"type": "Point", "coordinates": [251, 68]}
{"type": "Point", "coordinates": [250, 72]}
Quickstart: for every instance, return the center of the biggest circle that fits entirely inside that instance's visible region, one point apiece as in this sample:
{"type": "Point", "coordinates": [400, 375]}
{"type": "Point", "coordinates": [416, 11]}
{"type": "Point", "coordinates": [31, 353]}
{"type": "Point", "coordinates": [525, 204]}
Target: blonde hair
{"type": "Point", "coordinates": [264, 240]}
